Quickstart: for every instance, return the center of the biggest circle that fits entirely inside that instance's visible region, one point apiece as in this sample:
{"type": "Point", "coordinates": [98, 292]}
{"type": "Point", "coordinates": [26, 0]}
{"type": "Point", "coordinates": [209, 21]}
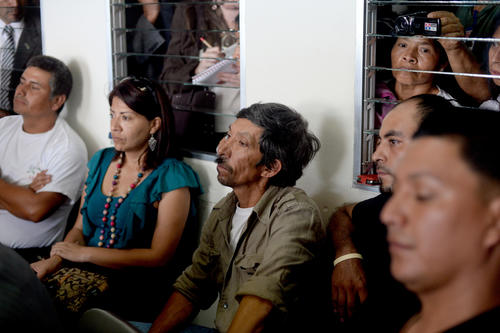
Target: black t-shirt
{"type": "Point", "coordinates": [486, 322]}
{"type": "Point", "coordinates": [389, 305]}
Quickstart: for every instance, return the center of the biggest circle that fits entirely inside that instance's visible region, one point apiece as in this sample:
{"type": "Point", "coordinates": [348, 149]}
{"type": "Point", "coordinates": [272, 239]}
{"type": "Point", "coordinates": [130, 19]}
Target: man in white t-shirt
{"type": "Point", "coordinates": [35, 142]}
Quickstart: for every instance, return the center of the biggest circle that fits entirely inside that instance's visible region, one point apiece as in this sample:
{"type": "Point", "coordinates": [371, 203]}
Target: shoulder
{"type": "Point", "coordinates": [67, 140]}
{"type": "Point", "coordinates": [288, 197]}
{"type": "Point", "coordinates": [286, 202]}
{"type": "Point", "coordinates": [175, 168]}
{"type": "Point", "coordinates": [172, 174]}
{"type": "Point", "coordinates": [100, 156]}
{"type": "Point", "coordinates": [492, 104]}
{"type": "Point", "coordinates": [9, 122]}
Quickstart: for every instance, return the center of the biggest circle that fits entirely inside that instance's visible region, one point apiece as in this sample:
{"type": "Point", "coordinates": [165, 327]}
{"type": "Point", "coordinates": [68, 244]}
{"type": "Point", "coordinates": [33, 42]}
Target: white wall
{"type": "Point", "coordinates": [300, 53]}
{"type": "Point", "coordinates": [76, 31]}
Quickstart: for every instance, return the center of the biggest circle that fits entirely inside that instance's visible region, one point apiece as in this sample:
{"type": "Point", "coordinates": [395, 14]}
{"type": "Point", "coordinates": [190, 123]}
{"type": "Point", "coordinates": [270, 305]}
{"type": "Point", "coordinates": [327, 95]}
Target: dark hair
{"type": "Point", "coordinates": [427, 103]}
{"type": "Point", "coordinates": [285, 138]}
{"type": "Point", "coordinates": [61, 80]}
{"type": "Point", "coordinates": [494, 89]}
{"type": "Point", "coordinates": [148, 99]}
{"type": "Point", "coordinates": [475, 131]}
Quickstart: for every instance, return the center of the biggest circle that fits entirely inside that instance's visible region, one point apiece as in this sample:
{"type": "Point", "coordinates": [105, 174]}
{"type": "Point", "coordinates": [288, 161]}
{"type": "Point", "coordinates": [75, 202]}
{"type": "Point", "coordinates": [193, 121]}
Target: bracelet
{"type": "Point", "coordinates": [347, 257]}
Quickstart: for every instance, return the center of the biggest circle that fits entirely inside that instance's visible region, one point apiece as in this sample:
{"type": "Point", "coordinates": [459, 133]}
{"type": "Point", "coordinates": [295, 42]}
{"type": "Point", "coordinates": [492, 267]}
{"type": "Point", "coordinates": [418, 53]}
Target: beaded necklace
{"type": "Point", "coordinates": [107, 204]}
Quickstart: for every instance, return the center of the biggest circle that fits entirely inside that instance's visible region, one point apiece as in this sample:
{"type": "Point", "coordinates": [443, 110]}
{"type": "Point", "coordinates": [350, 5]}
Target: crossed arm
{"type": "Point", "coordinates": [24, 202]}
{"type": "Point", "coordinates": [348, 277]}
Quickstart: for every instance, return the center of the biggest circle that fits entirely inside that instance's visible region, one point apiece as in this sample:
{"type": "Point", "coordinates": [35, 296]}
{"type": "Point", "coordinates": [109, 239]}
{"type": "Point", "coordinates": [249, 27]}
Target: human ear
{"type": "Point", "coordinates": [272, 170]}
{"type": "Point", "coordinates": [492, 237]}
{"type": "Point", "coordinates": [57, 102]}
{"type": "Point", "coordinates": [155, 125]}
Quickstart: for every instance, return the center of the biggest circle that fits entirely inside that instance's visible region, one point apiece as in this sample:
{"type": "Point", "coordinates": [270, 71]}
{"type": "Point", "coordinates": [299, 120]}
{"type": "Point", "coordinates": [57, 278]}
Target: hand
{"type": "Point", "coordinates": [450, 27]}
{"type": "Point", "coordinates": [45, 267]}
{"type": "Point", "coordinates": [211, 52]}
{"type": "Point", "coordinates": [41, 179]}
{"type": "Point", "coordinates": [348, 287]}
{"type": "Point", "coordinates": [151, 9]}
{"type": "Point", "coordinates": [69, 251]}
{"type": "Point", "coordinates": [232, 79]}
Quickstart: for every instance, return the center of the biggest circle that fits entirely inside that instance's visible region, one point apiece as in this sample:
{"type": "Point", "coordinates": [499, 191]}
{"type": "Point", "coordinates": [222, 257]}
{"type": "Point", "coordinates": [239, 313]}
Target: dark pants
{"type": "Point", "coordinates": [33, 254]}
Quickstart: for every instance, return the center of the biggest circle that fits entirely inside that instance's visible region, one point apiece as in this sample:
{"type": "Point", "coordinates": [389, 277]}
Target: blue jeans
{"type": "Point", "coordinates": [144, 328]}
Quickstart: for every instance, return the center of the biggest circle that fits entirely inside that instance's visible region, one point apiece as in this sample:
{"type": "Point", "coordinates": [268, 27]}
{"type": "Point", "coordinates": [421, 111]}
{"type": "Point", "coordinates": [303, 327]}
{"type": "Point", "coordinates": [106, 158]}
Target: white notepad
{"type": "Point", "coordinates": [209, 76]}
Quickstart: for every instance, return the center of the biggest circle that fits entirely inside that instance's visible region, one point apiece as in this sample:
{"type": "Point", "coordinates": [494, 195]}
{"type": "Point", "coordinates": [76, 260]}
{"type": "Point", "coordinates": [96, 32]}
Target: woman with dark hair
{"type": "Point", "coordinates": [421, 54]}
{"type": "Point", "coordinates": [492, 56]}
{"type": "Point", "coordinates": [137, 217]}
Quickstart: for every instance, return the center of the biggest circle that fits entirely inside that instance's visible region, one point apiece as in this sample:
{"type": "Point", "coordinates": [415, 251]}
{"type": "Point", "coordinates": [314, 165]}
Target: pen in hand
{"type": "Point", "coordinates": [207, 44]}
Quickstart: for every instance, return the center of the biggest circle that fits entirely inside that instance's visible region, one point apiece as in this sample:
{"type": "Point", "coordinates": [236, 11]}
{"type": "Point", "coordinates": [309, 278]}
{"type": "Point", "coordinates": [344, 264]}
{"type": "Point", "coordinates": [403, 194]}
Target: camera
{"type": "Point", "coordinates": [417, 24]}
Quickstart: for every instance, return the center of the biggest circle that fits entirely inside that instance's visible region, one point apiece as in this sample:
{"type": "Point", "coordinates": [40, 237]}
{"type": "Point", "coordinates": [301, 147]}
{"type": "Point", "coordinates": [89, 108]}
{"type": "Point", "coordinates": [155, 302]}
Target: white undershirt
{"type": "Point", "coordinates": [238, 222]}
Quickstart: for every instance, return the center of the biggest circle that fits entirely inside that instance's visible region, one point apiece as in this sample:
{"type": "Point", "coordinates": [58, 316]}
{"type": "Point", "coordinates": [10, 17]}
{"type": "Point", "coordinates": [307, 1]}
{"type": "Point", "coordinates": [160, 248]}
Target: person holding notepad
{"type": "Point", "coordinates": [203, 36]}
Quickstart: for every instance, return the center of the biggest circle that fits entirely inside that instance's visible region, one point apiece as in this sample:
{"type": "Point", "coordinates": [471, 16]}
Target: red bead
{"type": "Point", "coordinates": [104, 219]}
{"type": "Point", "coordinates": [132, 185]}
{"type": "Point", "coordinates": [113, 223]}
{"type": "Point", "coordinates": [118, 165]}
{"type": "Point", "coordinates": [106, 206]}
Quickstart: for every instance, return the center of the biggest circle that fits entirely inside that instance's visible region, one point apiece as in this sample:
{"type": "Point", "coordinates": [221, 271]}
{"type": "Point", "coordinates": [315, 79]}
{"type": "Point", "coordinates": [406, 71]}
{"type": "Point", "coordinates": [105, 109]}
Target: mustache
{"type": "Point", "coordinates": [380, 167]}
{"type": "Point", "coordinates": [221, 161]}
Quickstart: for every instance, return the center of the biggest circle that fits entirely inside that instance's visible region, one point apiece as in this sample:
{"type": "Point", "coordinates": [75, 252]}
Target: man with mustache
{"type": "Point", "coordinates": [34, 209]}
{"type": "Point", "coordinates": [261, 246]}
{"type": "Point", "coordinates": [357, 233]}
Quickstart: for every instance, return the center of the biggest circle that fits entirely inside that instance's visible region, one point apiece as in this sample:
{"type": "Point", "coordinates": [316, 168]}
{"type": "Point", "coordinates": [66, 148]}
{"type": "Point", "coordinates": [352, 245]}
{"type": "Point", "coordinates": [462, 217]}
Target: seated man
{"type": "Point", "coordinates": [25, 304]}
{"type": "Point", "coordinates": [261, 245]}
{"type": "Point", "coordinates": [366, 235]}
{"type": "Point", "coordinates": [38, 141]}
{"type": "Point", "coordinates": [443, 222]}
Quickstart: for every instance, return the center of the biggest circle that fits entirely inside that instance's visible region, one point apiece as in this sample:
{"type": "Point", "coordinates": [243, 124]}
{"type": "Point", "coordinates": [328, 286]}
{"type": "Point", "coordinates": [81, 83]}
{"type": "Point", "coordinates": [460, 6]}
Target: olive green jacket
{"type": "Point", "coordinates": [275, 257]}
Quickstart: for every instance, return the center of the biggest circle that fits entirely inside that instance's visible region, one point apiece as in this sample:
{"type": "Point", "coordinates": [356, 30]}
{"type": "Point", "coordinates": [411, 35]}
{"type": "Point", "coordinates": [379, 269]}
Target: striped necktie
{"type": "Point", "coordinates": [8, 50]}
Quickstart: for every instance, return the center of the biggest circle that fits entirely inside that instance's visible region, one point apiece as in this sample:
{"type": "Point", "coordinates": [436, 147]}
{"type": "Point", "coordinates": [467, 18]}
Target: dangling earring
{"type": "Point", "coordinates": [152, 143]}
{"type": "Point", "coordinates": [110, 137]}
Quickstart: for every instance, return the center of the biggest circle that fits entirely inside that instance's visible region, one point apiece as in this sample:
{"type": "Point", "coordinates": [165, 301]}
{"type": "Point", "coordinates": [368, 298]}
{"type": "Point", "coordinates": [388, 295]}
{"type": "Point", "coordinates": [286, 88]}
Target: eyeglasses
{"type": "Point", "coordinates": [143, 84]}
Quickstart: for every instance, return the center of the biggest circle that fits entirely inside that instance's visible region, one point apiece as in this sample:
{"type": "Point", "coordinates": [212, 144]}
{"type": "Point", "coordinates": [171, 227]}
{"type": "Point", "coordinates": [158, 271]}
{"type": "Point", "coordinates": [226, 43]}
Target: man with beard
{"type": "Point", "coordinates": [357, 233]}
{"type": "Point", "coordinates": [261, 246]}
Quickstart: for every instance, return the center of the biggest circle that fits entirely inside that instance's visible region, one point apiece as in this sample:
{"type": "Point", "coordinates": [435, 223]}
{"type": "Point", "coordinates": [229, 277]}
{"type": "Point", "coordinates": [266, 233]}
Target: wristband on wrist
{"type": "Point", "coordinates": [347, 257]}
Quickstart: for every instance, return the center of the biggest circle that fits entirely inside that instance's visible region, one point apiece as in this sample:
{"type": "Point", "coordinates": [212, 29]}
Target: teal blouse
{"type": "Point", "coordinates": [136, 216]}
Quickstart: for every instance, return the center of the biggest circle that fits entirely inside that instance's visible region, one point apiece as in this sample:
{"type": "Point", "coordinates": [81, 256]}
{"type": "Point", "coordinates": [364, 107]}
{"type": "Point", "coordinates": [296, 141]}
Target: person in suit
{"type": "Point", "coordinates": [24, 19]}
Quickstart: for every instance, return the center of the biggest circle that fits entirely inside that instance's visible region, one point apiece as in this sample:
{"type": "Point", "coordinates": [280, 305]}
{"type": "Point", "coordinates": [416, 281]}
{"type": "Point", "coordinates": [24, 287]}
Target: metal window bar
{"type": "Point", "coordinates": [118, 39]}
{"type": "Point", "coordinates": [367, 35]}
